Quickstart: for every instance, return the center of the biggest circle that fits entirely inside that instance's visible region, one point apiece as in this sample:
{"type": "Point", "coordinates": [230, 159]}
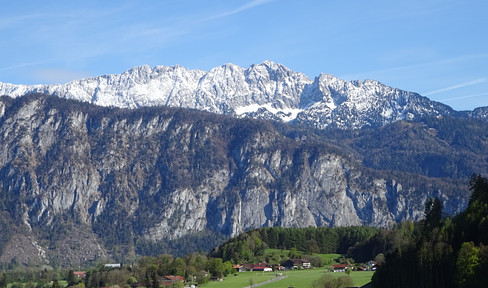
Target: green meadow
{"type": "Point", "coordinates": [296, 278]}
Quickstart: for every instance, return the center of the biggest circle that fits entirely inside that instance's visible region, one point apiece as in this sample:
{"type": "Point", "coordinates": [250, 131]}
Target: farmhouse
{"type": "Point", "coordinates": [297, 264]}
{"type": "Point", "coordinates": [80, 274]}
{"type": "Point", "coordinates": [262, 268]}
{"type": "Point", "coordinates": [339, 267]}
{"type": "Point", "coordinates": [251, 267]}
{"type": "Point", "coordinates": [170, 280]}
{"type": "Point", "coordinates": [239, 268]}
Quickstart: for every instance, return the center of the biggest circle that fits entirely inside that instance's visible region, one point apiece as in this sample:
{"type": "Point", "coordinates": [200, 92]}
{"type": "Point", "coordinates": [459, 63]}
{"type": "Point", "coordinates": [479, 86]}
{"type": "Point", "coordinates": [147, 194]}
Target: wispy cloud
{"type": "Point", "coordinates": [457, 86]}
{"type": "Point", "coordinates": [418, 66]}
{"type": "Point", "coordinates": [22, 65]}
{"type": "Point", "coordinates": [247, 6]}
{"type": "Point", "coordinates": [158, 34]}
{"type": "Point", "coordinates": [466, 97]}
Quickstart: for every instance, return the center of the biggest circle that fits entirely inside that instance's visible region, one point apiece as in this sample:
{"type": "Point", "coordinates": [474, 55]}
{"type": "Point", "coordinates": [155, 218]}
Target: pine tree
{"type": "Point", "coordinates": [55, 284]}
{"type": "Point", "coordinates": [72, 279]}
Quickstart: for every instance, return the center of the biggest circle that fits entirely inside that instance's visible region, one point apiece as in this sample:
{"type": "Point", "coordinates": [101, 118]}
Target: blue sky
{"type": "Point", "coordinates": [436, 48]}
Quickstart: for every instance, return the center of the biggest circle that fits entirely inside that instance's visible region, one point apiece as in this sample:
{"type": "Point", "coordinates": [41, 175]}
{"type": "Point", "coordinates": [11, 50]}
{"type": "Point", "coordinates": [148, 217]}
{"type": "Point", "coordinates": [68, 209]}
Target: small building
{"type": "Point", "coordinates": [279, 268]}
{"type": "Point", "coordinates": [170, 279]}
{"type": "Point", "coordinates": [262, 268]}
{"type": "Point", "coordinates": [113, 265]}
{"type": "Point", "coordinates": [250, 267]}
{"type": "Point", "coordinates": [339, 267]}
{"type": "Point", "coordinates": [80, 274]}
{"type": "Point", "coordinates": [297, 264]}
{"type": "Point", "coordinates": [239, 268]}
{"type": "Point", "coordinates": [174, 278]}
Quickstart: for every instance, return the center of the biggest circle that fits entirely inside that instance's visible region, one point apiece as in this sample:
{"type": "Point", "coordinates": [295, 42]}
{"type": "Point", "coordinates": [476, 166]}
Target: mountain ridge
{"type": "Point", "coordinates": [268, 91]}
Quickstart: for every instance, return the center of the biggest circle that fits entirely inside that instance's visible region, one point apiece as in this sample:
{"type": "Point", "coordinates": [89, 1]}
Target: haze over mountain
{"type": "Point", "coordinates": [143, 180]}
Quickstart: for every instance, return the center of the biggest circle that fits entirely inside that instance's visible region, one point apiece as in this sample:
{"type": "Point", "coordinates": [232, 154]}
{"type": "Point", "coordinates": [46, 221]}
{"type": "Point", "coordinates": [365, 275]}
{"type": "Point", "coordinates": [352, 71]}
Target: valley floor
{"type": "Point", "coordinates": [293, 278]}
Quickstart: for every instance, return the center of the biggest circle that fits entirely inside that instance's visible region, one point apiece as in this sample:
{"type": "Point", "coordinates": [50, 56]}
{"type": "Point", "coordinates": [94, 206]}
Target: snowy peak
{"type": "Point", "coordinates": [267, 91]}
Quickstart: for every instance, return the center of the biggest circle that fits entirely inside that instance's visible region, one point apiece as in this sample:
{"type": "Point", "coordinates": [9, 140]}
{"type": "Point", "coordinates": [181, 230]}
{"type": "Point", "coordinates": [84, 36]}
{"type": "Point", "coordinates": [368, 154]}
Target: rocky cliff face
{"type": "Point", "coordinates": [117, 178]}
{"type": "Point", "coordinates": [263, 91]}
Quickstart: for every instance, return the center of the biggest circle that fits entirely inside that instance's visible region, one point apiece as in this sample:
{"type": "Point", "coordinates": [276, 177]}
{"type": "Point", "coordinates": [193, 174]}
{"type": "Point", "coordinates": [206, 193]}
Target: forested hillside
{"type": "Point", "coordinates": [443, 147]}
{"type": "Point", "coordinates": [438, 251]}
{"type": "Point", "coordinates": [249, 246]}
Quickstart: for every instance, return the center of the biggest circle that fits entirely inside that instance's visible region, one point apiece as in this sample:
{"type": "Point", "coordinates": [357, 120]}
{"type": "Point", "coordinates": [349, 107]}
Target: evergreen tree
{"type": "Point", "coordinates": [72, 279]}
{"type": "Point", "coordinates": [433, 213]}
{"type": "Point", "coordinates": [3, 281]}
{"type": "Point", "coordinates": [55, 284]}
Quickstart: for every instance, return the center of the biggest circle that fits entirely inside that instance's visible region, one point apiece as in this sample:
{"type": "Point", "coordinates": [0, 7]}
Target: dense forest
{"type": "Point", "coordinates": [438, 251]}
{"type": "Point", "coordinates": [249, 247]}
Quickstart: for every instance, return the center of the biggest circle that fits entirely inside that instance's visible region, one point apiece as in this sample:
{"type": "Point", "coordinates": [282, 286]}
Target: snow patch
{"type": "Point", "coordinates": [286, 114]}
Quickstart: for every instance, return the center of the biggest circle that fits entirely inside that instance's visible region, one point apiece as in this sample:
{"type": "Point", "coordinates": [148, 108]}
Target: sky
{"type": "Point", "coordinates": [436, 48]}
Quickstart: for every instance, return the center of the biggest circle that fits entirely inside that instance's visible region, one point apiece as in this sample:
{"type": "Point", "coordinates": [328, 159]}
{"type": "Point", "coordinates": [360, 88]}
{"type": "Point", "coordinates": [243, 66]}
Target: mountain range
{"type": "Point", "coordinates": [264, 91]}
{"type": "Point", "coordinates": [114, 167]}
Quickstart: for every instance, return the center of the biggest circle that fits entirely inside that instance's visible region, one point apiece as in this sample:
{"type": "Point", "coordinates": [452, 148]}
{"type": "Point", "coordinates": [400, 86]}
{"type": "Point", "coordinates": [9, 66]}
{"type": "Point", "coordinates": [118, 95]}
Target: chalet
{"type": "Point", "coordinates": [170, 280]}
{"type": "Point", "coordinates": [339, 267]}
{"type": "Point", "coordinates": [297, 264]}
{"type": "Point", "coordinates": [250, 267]}
{"type": "Point", "coordinates": [174, 278]}
{"type": "Point", "coordinates": [80, 274]}
{"type": "Point", "coordinates": [279, 268]}
{"type": "Point", "coordinates": [262, 268]}
{"type": "Point", "coordinates": [373, 265]}
{"type": "Point", "coordinates": [239, 268]}
{"type": "Point", "coordinates": [247, 267]}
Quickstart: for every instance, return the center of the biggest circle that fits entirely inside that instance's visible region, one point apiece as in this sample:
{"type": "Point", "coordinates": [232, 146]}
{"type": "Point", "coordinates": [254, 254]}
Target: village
{"type": "Point", "coordinates": [272, 271]}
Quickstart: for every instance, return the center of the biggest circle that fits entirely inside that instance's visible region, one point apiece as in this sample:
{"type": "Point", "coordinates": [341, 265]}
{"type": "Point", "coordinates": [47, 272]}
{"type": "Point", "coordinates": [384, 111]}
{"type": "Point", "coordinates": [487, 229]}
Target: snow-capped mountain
{"type": "Point", "coordinates": [267, 90]}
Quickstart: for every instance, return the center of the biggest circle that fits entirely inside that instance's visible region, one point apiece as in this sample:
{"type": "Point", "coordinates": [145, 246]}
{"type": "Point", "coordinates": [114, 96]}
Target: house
{"type": "Point", "coordinates": [250, 267]}
{"type": "Point", "coordinates": [279, 268]}
{"type": "Point", "coordinates": [339, 267]}
{"type": "Point", "coordinates": [297, 264]}
{"type": "Point", "coordinates": [80, 274]}
{"type": "Point", "coordinates": [247, 267]}
{"type": "Point", "coordinates": [262, 268]}
{"type": "Point", "coordinates": [239, 268]}
{"type": "Point", "coordinates": [170, 279]}
{"type": "Point", "coordinates": [174, 278]}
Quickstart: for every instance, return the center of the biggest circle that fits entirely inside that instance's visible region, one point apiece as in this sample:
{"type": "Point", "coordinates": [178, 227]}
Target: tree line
{"type": "Point", "coordinates": [250, 246]}
{"type": "Point", "coordinates": [438, 251]}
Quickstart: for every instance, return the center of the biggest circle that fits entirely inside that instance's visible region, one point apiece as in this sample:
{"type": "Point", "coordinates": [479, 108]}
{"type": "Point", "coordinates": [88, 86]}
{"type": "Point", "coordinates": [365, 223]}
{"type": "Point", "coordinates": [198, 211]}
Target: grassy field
{"type": "Point", "coordinates": [329, 258]}
{"type": "Point", "coordinates": [326, 258]}
{"type": "Point", "coordinates": [61, 283]}
{"type": "Point", "coordinates": [296, 278]}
